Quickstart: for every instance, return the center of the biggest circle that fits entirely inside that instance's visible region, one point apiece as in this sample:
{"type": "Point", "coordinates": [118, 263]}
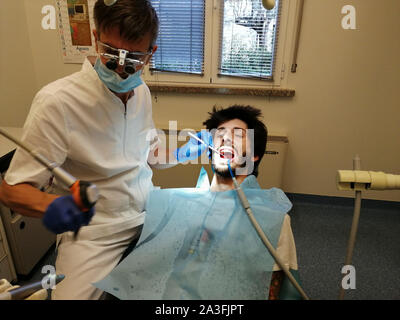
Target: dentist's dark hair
{"type": "Point", "coordinates": [133, 18]}
{"type": "Point", "coordinates": [248, 114]}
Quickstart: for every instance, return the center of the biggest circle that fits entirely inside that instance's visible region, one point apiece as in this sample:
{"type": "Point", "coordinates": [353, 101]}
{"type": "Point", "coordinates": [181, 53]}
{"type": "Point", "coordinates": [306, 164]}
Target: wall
{"type": "Point", "coordinates": [345, 103]}
{"type": "Point", "coordinates": [17, 74]}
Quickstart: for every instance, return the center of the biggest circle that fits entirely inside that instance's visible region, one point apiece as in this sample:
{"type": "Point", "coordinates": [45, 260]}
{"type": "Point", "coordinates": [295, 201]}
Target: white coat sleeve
{"type": "Point", "coordinates": [45, 130]}
{"type": "Point", "coordinates": [153, 138]}
{"type": "Point", "coordinates": [286, 249]}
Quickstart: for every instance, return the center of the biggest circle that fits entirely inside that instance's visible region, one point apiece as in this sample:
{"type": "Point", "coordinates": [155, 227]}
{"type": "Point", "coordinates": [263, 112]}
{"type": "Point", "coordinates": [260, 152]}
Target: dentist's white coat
{"type": "Point", "coordinates": [83, 127]}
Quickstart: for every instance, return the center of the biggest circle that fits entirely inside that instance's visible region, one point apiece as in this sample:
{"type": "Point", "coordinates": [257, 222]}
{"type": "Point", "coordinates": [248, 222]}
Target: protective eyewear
{"type": "Point", "coordinates": [129, 59]}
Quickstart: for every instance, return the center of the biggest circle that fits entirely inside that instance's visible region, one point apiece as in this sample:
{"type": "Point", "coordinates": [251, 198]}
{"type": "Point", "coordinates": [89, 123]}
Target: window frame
{"type": "Point", "coordinates": [211, 77]}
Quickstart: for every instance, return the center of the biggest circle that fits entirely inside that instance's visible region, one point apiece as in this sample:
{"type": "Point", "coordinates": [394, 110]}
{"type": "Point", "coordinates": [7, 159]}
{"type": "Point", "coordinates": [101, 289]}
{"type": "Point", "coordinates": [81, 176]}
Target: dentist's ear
{"type": "Point", "coordinates": [95, 38]}
{"type": "Point", "coordinates": [152, 52]}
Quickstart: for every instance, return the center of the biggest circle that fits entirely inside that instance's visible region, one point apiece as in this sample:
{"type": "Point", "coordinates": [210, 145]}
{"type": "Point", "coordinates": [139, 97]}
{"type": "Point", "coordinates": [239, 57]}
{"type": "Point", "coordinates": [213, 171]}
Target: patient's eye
{"type": "Point", "coordinates": [239, 133]}
{"type": "Point", "coordinates": [220, 132]}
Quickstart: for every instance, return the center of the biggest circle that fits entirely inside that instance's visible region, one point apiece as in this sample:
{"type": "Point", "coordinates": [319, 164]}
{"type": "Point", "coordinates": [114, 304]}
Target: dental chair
{"type": "Point", "coordinates": [288, 291]}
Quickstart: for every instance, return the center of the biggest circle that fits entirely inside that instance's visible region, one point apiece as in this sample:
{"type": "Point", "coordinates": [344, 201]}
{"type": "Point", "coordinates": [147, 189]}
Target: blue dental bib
{"type": "Point", "coordinates": [198, 244]}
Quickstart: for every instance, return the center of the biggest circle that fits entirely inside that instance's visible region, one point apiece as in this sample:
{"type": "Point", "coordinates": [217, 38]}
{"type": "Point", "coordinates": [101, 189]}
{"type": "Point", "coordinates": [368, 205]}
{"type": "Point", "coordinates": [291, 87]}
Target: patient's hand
{"type": "Point", "coordinates": [276, 283]}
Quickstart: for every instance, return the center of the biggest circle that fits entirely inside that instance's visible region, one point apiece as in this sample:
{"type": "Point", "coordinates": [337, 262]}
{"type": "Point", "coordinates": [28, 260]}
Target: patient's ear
{"type": "Point", "coordinates": [255, 158]}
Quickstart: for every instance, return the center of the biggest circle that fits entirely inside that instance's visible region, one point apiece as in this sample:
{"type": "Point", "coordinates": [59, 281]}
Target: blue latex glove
{"type": "Point", "coordinates": [63, 215]}
{"type": "Point", "coordinates": [193, 149]}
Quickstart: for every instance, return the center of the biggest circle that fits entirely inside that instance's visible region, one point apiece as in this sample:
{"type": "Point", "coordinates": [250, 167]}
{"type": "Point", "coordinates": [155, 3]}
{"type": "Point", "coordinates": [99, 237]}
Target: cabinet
{"type": "Point", "coordinates": [7, 270]}
{"type": "Point", "coordinates": [270, 171]}
{"type": "Point", "coordinates": [26, 238]}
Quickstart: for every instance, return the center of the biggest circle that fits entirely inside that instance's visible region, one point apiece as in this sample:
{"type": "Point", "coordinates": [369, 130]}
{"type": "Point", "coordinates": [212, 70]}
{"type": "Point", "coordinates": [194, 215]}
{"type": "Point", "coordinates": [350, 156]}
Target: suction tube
{"type": "Point", "coordinates": [246, 205]}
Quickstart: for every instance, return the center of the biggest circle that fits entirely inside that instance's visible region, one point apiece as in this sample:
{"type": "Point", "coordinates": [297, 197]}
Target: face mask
{"type": "Point", "coordinates": [114, 82]}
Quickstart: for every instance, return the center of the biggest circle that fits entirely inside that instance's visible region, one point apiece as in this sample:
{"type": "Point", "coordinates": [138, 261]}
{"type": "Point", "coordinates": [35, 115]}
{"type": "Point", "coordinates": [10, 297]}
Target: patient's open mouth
{"type": "Point", "coordinates": [227, 153]}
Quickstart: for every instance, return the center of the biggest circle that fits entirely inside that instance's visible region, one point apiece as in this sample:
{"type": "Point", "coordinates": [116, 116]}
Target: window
{"type": "Point", "coordinates": [220, 42]}
{"type": "Point", "coordinates": [248, 39]}
{"type": "Point", "coordinates": [181, 36]}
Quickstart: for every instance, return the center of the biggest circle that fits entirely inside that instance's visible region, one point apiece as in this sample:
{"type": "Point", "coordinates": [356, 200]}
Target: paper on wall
{"type": "Point", "coordinates": [75, 25]}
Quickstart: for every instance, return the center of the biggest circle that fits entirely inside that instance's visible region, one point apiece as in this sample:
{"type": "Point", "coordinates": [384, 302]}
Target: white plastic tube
{"type": "Point", "coordinates": [246, 205]}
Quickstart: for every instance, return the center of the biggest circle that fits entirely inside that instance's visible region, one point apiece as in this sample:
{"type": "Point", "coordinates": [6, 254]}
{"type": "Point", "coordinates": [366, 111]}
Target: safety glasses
{"type": "Point", "coordinates": [130, 60]}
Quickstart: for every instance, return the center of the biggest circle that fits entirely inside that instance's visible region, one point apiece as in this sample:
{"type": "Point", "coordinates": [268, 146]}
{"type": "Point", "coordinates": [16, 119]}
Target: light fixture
{"type": "Point", "coordinates": [268, 4]}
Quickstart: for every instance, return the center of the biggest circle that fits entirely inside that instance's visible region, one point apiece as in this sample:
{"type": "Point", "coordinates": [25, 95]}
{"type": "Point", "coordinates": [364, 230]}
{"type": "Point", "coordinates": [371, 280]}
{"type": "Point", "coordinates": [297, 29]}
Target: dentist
{"type": "Point", "coordinates": [97, 125]}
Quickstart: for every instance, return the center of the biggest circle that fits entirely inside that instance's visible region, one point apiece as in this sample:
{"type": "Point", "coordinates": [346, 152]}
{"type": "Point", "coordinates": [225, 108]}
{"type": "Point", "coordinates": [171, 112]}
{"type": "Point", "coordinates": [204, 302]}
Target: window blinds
{"type": "Point", "coordinates": [181, 36]}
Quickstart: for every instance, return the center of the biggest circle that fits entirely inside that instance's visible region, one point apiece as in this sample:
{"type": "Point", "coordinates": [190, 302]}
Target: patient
{"type": "Point", "coordinates": [230, 125]}
{"type": "Point", "coordinates": [198, 243]}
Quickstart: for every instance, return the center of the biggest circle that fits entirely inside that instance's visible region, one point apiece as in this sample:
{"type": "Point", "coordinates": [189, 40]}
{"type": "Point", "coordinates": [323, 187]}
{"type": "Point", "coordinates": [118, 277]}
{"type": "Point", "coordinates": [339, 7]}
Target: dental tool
{"type": "Point", "coordinates": [85, 194]}
{"type": "Point", "coordinates": [246, 205]}
{"type": "Point", "coordinates": [203, 142]}
{"type": "Point", "coordinates": [25, 291]}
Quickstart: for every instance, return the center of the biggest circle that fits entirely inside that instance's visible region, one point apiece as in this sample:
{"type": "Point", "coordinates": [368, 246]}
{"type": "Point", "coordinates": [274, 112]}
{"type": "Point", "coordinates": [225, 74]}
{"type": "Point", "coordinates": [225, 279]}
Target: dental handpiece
{"type": "Point", "coordinates": [85, 194]}
{"type": "Point", "coordinates": [203, 142]}
{"type": "Point", "coordinates": [25, 291]}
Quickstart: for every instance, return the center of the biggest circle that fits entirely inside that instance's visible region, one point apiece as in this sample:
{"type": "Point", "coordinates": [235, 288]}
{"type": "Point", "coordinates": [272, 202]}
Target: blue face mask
{"type": "Point", "coordinates": [114, 82]}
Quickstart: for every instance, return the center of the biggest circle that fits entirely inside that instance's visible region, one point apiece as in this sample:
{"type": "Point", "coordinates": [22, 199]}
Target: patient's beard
{"type": "Point", "coordinates": [223, 171]}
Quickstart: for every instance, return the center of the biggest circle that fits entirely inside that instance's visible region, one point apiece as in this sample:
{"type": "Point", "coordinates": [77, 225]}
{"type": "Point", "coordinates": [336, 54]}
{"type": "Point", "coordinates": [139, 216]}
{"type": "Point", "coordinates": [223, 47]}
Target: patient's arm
{"type": "Point", "coordinates": [275, 287]}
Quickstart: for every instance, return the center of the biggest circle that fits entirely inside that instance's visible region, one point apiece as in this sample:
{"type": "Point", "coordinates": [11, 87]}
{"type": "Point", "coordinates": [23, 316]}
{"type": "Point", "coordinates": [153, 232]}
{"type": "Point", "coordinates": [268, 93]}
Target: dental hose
{"type": "Point", "coordinates": [246, 205]}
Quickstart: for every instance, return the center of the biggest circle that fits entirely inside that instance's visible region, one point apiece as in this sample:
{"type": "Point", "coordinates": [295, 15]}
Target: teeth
{"type": "Point", "coordinates": [227, 153]}
{"type": "Point", "coordinates": [230, 149]}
